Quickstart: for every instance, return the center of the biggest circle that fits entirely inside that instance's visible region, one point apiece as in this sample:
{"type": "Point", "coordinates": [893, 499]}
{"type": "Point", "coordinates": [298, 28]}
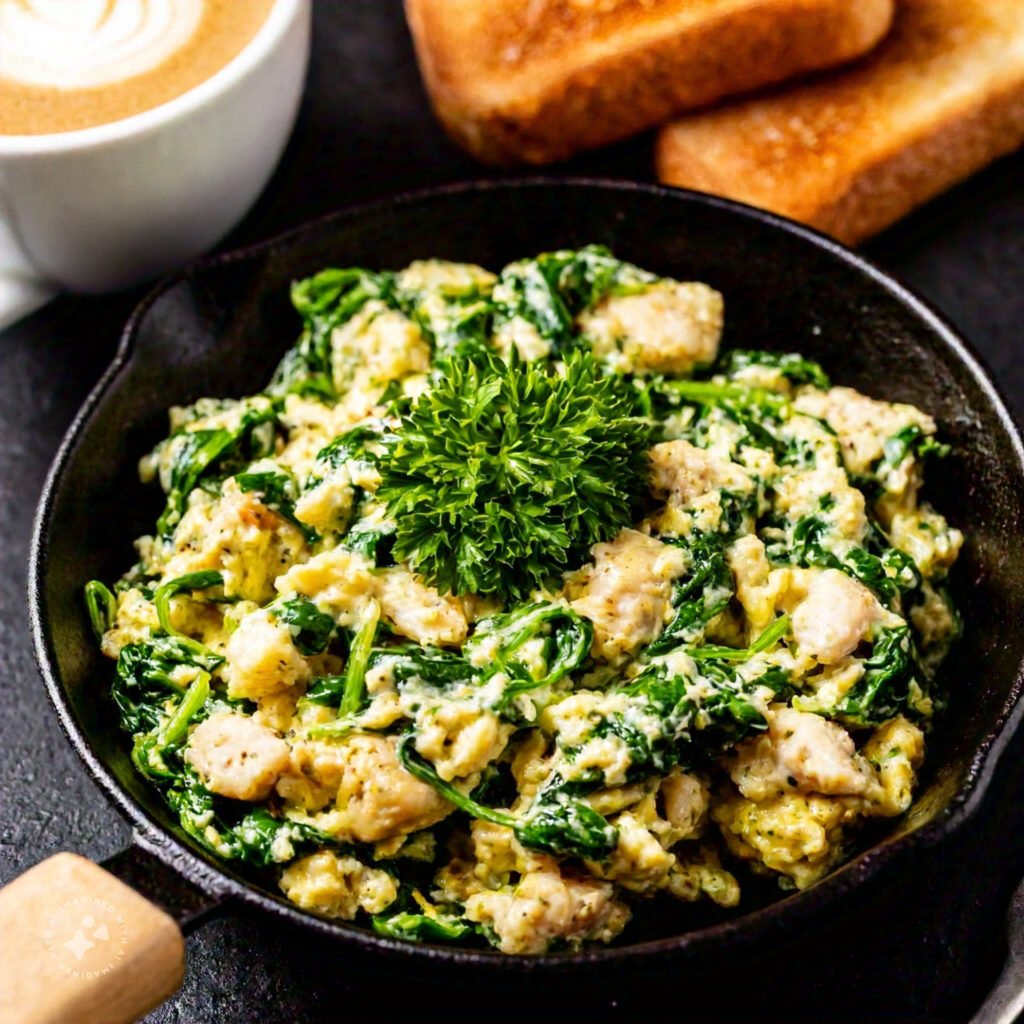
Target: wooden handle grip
{"type": "Point", "coordinates": [81, 946]}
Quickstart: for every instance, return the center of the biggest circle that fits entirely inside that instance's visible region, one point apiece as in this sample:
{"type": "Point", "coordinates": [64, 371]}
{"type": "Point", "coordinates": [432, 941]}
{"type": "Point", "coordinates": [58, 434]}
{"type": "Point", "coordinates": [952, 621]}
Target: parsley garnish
{"type": "Point", "coordinates": [503, 475]}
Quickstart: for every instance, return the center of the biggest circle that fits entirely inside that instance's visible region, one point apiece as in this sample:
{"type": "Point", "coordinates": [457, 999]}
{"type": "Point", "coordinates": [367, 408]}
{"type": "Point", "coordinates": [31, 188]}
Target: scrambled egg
{"type": "Point", "coordinates": [795, 522]}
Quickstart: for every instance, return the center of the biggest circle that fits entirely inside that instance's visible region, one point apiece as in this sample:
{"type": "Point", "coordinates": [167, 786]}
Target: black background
{"type": "Point", "coordinates": [924, 945]}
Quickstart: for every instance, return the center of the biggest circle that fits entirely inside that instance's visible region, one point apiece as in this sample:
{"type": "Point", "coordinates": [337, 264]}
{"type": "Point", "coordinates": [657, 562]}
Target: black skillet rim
{"type": "Point", "coordinates": [774, 919]}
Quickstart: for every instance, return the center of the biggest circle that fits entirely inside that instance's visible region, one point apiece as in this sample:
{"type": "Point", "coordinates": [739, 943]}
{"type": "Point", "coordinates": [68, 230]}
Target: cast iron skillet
{"type": "Point", "coordinates": [220, 328]}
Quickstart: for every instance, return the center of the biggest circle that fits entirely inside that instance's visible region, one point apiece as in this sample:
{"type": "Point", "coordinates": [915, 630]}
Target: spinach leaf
{"type": "Point", "coordinates": [145, 677]}
{"type": "Point", "coordinates": [375, 541]}
{"type": "Point", "coordinates": [566, 826]}
{"type": "Point", "coordinates": [312, 630]}
{"type": "Point", "coordinates": [204, 579]}
{"type": "Point", "coordinates": [690, 721]}
{"type": "Point", "coordinates": [411, 927]}
{"type": "Point", "coordinates": [550, 291]}
{"type": "Point", "coordinates": [350, 456]}
{"type": "Point", "coordinates": [793, 366]}
{"type": "Point", "coordinates": [892, 683]}
{"type": "Point", "coordinates": [150, 748]}
{"type": "Point", "coordinates": [911, 440]}
{"type": "Point", "coordinates": [200, 454]}
{"type": "Point", "coordinates": [567, 638]}
{"type": "Point", "coordinates": [739, 512]}
{"type": "Point", "coordinates": [350, 689]}
{"type": "Point", "coordinates": [360, 444]}
{"type": "Point", "coordinates": [497, 785]}
{"type": "Point", "coordinates": [768, 638]}
{"type": "Point", "coordinates": [325, 301]}
{"type": "Point", "coordinates": [259, 838]}
{"type": "Point", "coordinates": [889, 573]}
{"type": "Point", "coordinates": [325, 691]}
{"type": "Point", "coordinates": [698, 596]}
{"type": "Point", "coordinates": [672, 718]}
{"type": "Point", "coordinates": [263, 840]}
{"type": "Point", "coordinates": [102, 607]}
{"type": "Point", "coordinates": [454, 316]}
{"type": "Point", "coordinates": [358, 661]}
{"type": "Point", "coordinates": [556, 822]}
{"type": "Point", "coordinates": [413, 919]}
{"type": "Point", "coordinates": [277, 490]}
{"type": "Point", "coordinates": [759, 411]}
{"type": "Point", "coordinates": [432, 667]}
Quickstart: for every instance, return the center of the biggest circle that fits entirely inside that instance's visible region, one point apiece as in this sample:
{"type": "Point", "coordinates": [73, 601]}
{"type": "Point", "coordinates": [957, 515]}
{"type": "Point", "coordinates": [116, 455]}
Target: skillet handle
{"type": "Point", "coordinates": [80, 945]}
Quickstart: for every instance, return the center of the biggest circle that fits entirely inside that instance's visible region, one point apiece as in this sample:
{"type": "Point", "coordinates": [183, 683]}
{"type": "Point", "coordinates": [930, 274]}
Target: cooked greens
{"type": "Point", "coordinates": [549, 292]}
{"type": "Point", "coordinates": [557, 821]}
{"type": "Point", "coordinates": [194, 454]}
{"type": "Point", "coordinates": [512, 601]}
{"type": "Point", "coordinates": [311, 629]}
{"type": "Point", "coordinates": [699, 595]}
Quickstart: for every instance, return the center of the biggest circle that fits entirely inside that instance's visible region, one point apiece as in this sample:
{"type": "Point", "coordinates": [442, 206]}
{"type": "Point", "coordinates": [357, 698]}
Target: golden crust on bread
{"type": "Point", "coordinates": [531, 81]}
{"type": "Point", "coordinates": [852, 152]}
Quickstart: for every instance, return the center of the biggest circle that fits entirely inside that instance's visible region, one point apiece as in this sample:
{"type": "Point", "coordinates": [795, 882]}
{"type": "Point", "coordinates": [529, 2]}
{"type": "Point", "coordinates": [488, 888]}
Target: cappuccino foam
{"type": "Point", "coordinates": [69, 64]}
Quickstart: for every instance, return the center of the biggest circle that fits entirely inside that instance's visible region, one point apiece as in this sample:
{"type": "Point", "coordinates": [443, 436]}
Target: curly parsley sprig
{"type": "Point", "coordinates": [503, 475]}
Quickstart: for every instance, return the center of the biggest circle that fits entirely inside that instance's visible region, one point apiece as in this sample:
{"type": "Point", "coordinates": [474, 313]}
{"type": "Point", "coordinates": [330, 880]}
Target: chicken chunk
{"type": "Point", "coordinates": [801, 752]}
{"type": "Point", "coordinates": [418, 611]}
{"type": "Point", "coordinates": [337, 886]}
{"type": "Point", "coordinates": [863, 424]}
{"type": "Point", "coordinates": [682, 472]}
{"type": "Point", "coordinates": [669, 328]}
{"type": "Point", "coordinates": [685, 800]}
{"type": "Point", "coordinates": [378, 798]}
{"type": "Point", "coordinates": [837, 614]}
{"type": "Point", "coordinates": [817, 753]}
{"type": "Point", "coordinates": [236, 756]}
{"type": "Point", "coordinates": [755, 769]}
{"type": "Point", "coordinates": [544, 907]}
{"type": "Point", "coordinates": [262, 659]}
{"type": "Point", "coordinates": [627, 592]}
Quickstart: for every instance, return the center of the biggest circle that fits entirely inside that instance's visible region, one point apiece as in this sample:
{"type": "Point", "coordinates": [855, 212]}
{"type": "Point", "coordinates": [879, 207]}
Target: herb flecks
{"type": "Point", "coordinates": [503, 475]}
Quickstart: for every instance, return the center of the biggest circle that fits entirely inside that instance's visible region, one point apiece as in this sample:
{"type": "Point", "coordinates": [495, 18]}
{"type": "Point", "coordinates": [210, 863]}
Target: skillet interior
{"type": "Point", "coordinates": [221, 328]}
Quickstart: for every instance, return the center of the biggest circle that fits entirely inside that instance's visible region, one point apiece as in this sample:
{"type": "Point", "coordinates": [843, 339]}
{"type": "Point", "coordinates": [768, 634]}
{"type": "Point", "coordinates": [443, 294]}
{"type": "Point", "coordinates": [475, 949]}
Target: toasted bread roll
{"type": "Point", "coordinates": [852, 152]}
{"type": "Point", "coordinates": [531, 81]}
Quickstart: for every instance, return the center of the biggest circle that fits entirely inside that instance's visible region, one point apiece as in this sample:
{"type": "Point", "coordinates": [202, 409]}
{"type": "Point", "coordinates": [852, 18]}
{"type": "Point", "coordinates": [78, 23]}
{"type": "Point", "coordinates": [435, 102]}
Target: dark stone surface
{"type": "Point", "coordinates": [925, 946]}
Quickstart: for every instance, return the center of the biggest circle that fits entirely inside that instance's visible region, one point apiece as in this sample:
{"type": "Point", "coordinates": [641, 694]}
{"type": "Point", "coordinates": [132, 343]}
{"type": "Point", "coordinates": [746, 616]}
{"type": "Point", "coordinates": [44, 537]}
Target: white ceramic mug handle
{"type": "Point", "coordinates": [22, 289]}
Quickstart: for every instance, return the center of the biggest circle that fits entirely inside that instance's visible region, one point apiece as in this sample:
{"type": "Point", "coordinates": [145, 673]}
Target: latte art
{"type": "Point", "coordinates": [67, 64]}
{"type": "Point", "coordinates": [75, 44]}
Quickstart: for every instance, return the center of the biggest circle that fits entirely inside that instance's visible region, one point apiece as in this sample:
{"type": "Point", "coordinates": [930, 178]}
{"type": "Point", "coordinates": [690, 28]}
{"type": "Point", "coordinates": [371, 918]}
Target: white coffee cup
{"type": "Point", "coordinates": [102, 208]}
